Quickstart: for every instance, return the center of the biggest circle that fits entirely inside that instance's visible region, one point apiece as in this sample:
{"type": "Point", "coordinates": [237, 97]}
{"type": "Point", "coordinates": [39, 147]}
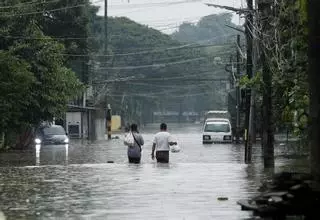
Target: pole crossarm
{"type": "Point", "coordinates": [237, 10]}
{"type": "Point", "coordinates": [235, 28]}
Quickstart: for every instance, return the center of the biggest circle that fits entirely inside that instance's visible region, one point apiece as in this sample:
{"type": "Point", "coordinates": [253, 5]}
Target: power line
{"type": "Point", "coordinates": [157, 96]}
{"type": "Point", "coordinates": [161, 65]}
{"type": "Point", "coordinates": [22, 4]}
{"type": "Point", "coordinates": [130, 79]}
{"type": "Point", "coordinates": [158, 65]}
{"type": "Point", "coordinates": [193, 78]}
{"type": "Point", "coordinates": [42, 12]}
{"type": "Point", "coordinates": [46, 11]}
{"type": "Point", "coordinates": [148, 5]}
{"type": "Point", "coordinates": [47, 38]}
{"type": "Point", "coordinates": [182, 85]}
{"type": "Point", "coordinates": [186, 46]}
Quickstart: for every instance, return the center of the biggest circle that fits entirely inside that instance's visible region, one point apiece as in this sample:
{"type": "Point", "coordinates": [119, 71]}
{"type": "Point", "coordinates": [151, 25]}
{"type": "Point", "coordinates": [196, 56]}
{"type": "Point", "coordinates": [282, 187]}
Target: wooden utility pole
{"type": "Point", "coordinates": [238, 92]}
{"type": "Point", "coordinates": [249, 39]}
{"type": "Point", "coordinates": [264, 7]}
{"type": "Point", "coordinates": [109, 114]}
{"type": "Point", "coordinates": [106, 27]}
{"type": "Point", "coordinates": [314, 82]}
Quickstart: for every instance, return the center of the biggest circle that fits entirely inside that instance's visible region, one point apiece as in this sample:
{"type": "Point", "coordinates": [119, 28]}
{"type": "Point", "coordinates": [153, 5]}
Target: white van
{"type": "Point", "coordinates": [217, 130]}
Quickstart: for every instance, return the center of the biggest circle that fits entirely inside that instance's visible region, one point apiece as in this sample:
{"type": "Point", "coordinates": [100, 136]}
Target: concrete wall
{"type": "Point", "coordinates": [85, 125]}
{"type": "Point", "coordinates": [91, 123]}
{"type": "Point", "coordinates": [115, 123]}
{"type": "Point", "coordinates": [100, 128]}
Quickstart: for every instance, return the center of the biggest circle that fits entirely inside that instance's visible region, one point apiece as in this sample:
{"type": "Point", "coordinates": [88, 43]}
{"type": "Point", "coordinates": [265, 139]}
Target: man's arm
{"type": "Point", "coordinates": [153, 149]}
{"type": "Point", "coordinates": [171, 141]}
{"type": "Point", "coordinates": [141, 140]}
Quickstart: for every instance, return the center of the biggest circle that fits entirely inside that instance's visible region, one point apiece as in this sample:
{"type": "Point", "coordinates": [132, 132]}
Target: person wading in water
{"type": "Point", "coordinates": [134, 149]}
{"type": "Point", "coordinates": [161, 144]}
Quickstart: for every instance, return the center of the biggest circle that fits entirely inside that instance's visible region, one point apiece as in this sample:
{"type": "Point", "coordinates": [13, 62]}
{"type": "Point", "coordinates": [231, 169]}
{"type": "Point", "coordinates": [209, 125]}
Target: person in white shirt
{"type": "Point", "coordinates": [161, 144]}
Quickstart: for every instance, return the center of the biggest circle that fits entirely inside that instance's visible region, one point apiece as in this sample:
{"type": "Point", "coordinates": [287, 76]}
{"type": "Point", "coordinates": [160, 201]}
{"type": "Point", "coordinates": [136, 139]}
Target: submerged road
{"type": "Point", "coordinates": [77, 182]}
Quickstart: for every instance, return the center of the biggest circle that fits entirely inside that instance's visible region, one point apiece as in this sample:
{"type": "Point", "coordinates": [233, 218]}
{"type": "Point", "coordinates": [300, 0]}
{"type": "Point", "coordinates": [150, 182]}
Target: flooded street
{"type": "Point", "coordinates": [77, 182]}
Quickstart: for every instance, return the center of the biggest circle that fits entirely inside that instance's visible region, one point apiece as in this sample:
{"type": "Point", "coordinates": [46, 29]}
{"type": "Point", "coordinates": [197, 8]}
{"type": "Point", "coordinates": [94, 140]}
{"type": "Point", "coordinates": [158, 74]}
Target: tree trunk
{"type": "Point", "coordinates": [267, 127]}
{"type": "Point", "coordinates": [314, 82]}
{"type": "Point", "coordinates": [25, 138]}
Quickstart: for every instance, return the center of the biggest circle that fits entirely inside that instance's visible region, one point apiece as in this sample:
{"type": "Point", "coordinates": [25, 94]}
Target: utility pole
{"type": "Point", "coordinates": [109, 114]}
{"type": "Point", "coordinates": [267, 127]}
{"type": "Point", "coordinates": [106, 27]}
{"type": "Point", "coordinates": [249, 66]}
{"type": "Point", "coordinates": [238, 92]}
{"type": "Point", "coordinates": [314, 80]}
{"type": "Point", "coordinates": [249, 39]}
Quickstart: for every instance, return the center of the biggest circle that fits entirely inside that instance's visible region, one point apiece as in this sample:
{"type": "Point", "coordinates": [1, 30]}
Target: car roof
{"type": "Point", "coordinates": [51, 126]}
{"type": "Point", "coordinates": [217, 119]}
{"type": "Point", "coordinates": [217, 122]}
{"type": "Point", "coordinates": [218, 111]}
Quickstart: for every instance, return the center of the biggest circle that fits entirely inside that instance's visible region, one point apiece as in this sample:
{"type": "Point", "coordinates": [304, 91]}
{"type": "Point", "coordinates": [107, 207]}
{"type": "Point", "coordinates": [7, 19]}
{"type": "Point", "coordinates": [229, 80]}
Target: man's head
{"type": "Point", "coordinates": [163, 127]}
{"type": "Point", "coordinates": [134, 127]}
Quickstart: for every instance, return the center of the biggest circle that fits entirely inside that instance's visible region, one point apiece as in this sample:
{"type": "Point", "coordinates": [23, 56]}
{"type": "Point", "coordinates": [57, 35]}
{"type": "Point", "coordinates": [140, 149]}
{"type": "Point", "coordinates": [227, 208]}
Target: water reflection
{"type": "Point", "coordinates": [91, 188]}
{"type": "Point", "coordinates": [38, 147]}
{"type": "Point", "coordinates": [51, 154]}
{"type": "Point", "coordinates": [2, 216]}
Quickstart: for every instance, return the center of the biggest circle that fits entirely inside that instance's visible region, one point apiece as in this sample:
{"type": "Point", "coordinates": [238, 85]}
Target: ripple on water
{"type": "Point", "coordinates": [83, 185]}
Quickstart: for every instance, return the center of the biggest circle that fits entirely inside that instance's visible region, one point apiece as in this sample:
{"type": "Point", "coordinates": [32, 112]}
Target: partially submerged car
{"type": "Point", "coordinates": [51, 134]}
{"type": "Point", "coordinates": [217, 130]}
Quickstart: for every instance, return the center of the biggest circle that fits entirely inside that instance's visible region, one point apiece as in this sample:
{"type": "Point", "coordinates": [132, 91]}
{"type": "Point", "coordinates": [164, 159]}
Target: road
{"type": "Point", "coordinates": [78, 182]}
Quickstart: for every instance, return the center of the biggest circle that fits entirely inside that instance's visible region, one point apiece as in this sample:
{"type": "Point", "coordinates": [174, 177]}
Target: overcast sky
{"type": "Point", "coordinates": [166, 15]}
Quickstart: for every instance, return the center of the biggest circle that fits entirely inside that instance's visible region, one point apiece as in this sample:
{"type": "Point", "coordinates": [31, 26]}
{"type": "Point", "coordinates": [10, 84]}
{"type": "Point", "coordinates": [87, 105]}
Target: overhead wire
{"type": "Point", "coordinates": [186, 46]}
{"type": "Point", "coordinates": [193, 77]}
{"type": "Point", "coordinates": [158, 65]}
{"type": "Point", "coordinates": [157, 96]}
{"type": "Point", "coordinates": [70, 8]}
{"type": "Point", "coordinates": [23, 4]}
{"type": "Point", "coordinates": [90, 37]}
{"type": "Point", "coordinates": [48, 10]}
{"type": "Point", "coordinates": [147, 5]}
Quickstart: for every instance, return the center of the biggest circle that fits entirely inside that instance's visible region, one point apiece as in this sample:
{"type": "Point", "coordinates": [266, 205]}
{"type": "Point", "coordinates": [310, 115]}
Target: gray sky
{"type": "Point", "coordinates": [166, 15]}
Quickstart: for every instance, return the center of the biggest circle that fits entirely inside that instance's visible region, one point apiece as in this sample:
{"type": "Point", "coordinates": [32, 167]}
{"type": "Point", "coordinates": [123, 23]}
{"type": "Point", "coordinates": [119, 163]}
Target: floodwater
{"type": "Point", "coordinates": [79, 182]}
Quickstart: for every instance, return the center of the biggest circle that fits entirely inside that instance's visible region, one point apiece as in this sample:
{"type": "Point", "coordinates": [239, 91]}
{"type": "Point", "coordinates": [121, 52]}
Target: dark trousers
{"type": "Point", "coordinates": [134, 160]}
{"type": "Point", "coordinates": [162, 156]}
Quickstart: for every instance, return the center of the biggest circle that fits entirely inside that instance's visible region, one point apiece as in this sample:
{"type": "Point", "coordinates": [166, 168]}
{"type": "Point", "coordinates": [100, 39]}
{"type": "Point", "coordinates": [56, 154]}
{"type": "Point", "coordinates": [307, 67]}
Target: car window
{"type": "Point", "coordinates": [54, 131]}
{"type": "Point", "coordinates": [217, 127]}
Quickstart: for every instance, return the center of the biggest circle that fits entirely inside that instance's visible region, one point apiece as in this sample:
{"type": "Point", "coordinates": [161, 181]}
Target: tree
{"type": "Point", "coordinates": [134, 45]}
{"type": "Point", "coordinates": [16, 83]}
{"type": "Point", "coordinates": [71, 28]}
{"type": "Point", "coordinates": [314, 82]}
{"type": "Point", "coordinates": [289, 61]}
{"type": "Point", "coordinates": [35, 83]}
{"type": "Point", "coordinates": [55, 84]}
{"type": "Point", "coordinates": [210, 29]}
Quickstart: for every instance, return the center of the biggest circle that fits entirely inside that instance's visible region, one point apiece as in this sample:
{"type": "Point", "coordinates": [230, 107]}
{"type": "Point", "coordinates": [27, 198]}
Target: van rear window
{"type": "Point", "coordinates": [217, 127]}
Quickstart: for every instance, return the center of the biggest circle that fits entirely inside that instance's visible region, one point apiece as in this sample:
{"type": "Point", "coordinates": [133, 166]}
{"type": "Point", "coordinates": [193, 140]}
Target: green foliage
{"type": "Point", "coordinates": [71, 28]}
{"type": "Point", "coordinates": [130, 45]}
{"type": "Point", "coordinates": [286, 49]}
{"type": "Point", "coordinates": [16, 83]}
{"type": "Point", "coordinates": [210, 29]}
{"type": "Point", "coordinates": [35, 83]}
{"type": "Point", "coordinates": [55, 84]}
{"type": "Point", "coordinates": [255, 82]}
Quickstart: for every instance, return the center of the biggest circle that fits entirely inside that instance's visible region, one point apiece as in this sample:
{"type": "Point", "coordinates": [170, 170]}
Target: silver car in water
{"type": "Point", "coordinates": [51, 134]}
